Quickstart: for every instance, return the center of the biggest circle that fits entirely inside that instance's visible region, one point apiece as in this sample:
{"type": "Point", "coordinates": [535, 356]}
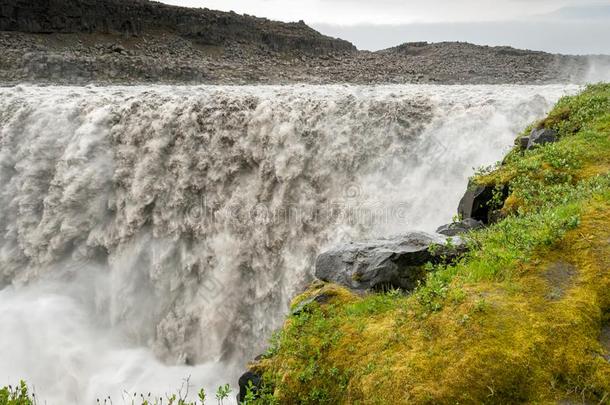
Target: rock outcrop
{"type": "Point", "coordinates": [68, 42]}
{"type": "Point", "coordinates": [385, 263]}
{"type": "Point", "coordinates": [137, 17]}
{"type": "Point", "coordinates": [481, 202]}
{"type": "Point", "coordinates": [541, 136]}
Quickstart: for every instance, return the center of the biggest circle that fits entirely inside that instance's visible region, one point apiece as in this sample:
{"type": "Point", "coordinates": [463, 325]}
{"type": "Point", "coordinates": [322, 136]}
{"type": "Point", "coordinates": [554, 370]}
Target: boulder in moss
{"type": "Point", "coordinates": [541, 137]}
{"type": "Point", "coordinates": [397, 262]}
{"type": "Point", "coordinates": [461, 227]}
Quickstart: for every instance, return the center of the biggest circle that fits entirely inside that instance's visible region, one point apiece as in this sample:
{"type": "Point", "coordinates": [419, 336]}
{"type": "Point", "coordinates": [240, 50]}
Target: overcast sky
{"type": "Point", "coordinates": [569, 26]}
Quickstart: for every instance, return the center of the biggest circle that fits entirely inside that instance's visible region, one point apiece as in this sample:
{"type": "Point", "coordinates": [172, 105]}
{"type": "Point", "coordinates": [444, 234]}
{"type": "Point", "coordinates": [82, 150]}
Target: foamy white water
{"type": "Point", "coordinates": [153, 233]}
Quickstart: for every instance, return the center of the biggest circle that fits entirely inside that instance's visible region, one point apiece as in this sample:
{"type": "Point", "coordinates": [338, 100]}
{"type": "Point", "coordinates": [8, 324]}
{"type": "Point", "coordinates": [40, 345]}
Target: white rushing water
{"type": "Point", "coordinates": [153, 233]}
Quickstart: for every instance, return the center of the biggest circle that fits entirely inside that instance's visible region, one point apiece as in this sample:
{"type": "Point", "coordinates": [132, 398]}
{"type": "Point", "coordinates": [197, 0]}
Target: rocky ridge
{"type": "Point", "coordinates": [140, 17]}
{"type": "Point", "coordinates": [138, 41]}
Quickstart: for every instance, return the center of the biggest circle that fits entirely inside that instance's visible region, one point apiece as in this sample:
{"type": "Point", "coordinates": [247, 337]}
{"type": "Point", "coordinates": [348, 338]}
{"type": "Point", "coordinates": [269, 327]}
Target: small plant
{"type": "Point", "coordinates": [201, 395]}
{"type": "Point", "coordinates": [250, 397]}
{"type": "Point", "coordinates": [394, 293]}
{"type": "Point", "coordinates": [19, 395]}
{"type": "Point", "coordinates": [481, 305]}
{"type": "Point", "coordinates": [498, 196]}
{"type": "Point", "coordinates": [434, 248]}
{"type": "Point", "coordinates": [222, 393]}
{"type": "Point", "coordinates": [450, 243]}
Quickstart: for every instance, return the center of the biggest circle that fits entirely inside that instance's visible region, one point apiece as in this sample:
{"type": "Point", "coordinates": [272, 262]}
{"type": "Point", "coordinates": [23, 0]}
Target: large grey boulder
{"type": "Point", "coordinates": [396, 262]}
{"type": "Point", "coordinates": [461, 227]}
{"type": "Point", "coordinates": [541, 136]}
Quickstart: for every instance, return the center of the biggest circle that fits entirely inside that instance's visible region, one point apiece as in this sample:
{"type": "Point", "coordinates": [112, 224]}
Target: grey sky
{"type": "Point", "coordinates": [350, 12]}
{"type": "Point", "coordinates": [567, 26]}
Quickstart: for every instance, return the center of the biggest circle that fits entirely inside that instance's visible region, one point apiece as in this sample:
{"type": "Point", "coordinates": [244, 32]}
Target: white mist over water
{"type": "Point", "coordinates": [153, 233]}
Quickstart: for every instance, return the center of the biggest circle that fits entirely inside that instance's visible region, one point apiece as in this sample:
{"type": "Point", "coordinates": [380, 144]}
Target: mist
{"type": "Point", "coordinates": [61, 342]}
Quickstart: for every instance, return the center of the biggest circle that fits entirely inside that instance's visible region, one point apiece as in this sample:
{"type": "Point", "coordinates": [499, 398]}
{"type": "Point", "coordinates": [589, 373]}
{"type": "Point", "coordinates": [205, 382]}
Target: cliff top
{"type": "Point", "coordinates": [140, 41]}
{"type": "Point", "coordinates": [138, 17]}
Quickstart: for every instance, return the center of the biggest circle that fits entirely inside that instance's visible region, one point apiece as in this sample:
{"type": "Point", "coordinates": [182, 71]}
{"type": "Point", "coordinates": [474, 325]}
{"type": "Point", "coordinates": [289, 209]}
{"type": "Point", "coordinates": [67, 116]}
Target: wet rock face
{"type": "Point", "coordinates": [135, 17]}
{"type": "Point", "coordinates": [396, 262]}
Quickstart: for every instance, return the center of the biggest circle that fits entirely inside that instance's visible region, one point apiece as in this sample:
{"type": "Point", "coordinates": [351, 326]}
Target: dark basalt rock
{"type": "Point", "coordinates": [541, 137]}
{"type": "Point", "coordinates": [385, 263]}
{"type": "Point", "coordinates": [248, 376]}
{"type": "Point", "coordinates": [135, 17]}
{"type": "Point", "coordinates": [477, 202]}
{"type": "Point", "coordinates": [458, 228]}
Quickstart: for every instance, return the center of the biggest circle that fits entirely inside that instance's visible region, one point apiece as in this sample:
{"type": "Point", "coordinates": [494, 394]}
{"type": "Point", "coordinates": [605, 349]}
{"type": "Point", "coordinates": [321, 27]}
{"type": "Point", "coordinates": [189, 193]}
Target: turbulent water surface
{"type": "Point", "coordinates": [149, 234]}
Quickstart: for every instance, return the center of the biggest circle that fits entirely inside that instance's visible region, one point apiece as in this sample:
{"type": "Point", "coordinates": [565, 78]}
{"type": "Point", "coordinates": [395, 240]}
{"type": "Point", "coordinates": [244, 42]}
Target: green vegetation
{"type": "Point", "coordinates": [19, 395]}
{"type": "Point", "coordinates": [22, 395]}
{"type": "Point", "coordinates": [516, 320]}
{"type": "Point", "coordinates": [221, 394]}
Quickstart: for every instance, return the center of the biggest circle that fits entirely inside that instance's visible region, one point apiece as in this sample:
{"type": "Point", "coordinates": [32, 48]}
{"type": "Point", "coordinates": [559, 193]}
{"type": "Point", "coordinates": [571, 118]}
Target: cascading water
{"type": "Point", "coordinates": [153, 233]}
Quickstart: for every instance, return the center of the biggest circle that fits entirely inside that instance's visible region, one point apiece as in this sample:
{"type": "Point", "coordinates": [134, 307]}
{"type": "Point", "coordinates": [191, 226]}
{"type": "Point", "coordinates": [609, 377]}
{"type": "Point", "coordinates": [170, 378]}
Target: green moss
{"type": "Point", "coordinates": [517, 320]}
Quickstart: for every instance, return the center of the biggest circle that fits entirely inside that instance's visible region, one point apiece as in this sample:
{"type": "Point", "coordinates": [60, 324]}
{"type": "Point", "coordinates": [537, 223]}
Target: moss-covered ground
{"type": "Point", "coordinates": [519, 319]}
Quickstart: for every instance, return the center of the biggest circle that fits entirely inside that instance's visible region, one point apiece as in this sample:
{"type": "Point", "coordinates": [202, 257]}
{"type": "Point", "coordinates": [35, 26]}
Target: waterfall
{"type": "Point", "coordinates": [153, 233]}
